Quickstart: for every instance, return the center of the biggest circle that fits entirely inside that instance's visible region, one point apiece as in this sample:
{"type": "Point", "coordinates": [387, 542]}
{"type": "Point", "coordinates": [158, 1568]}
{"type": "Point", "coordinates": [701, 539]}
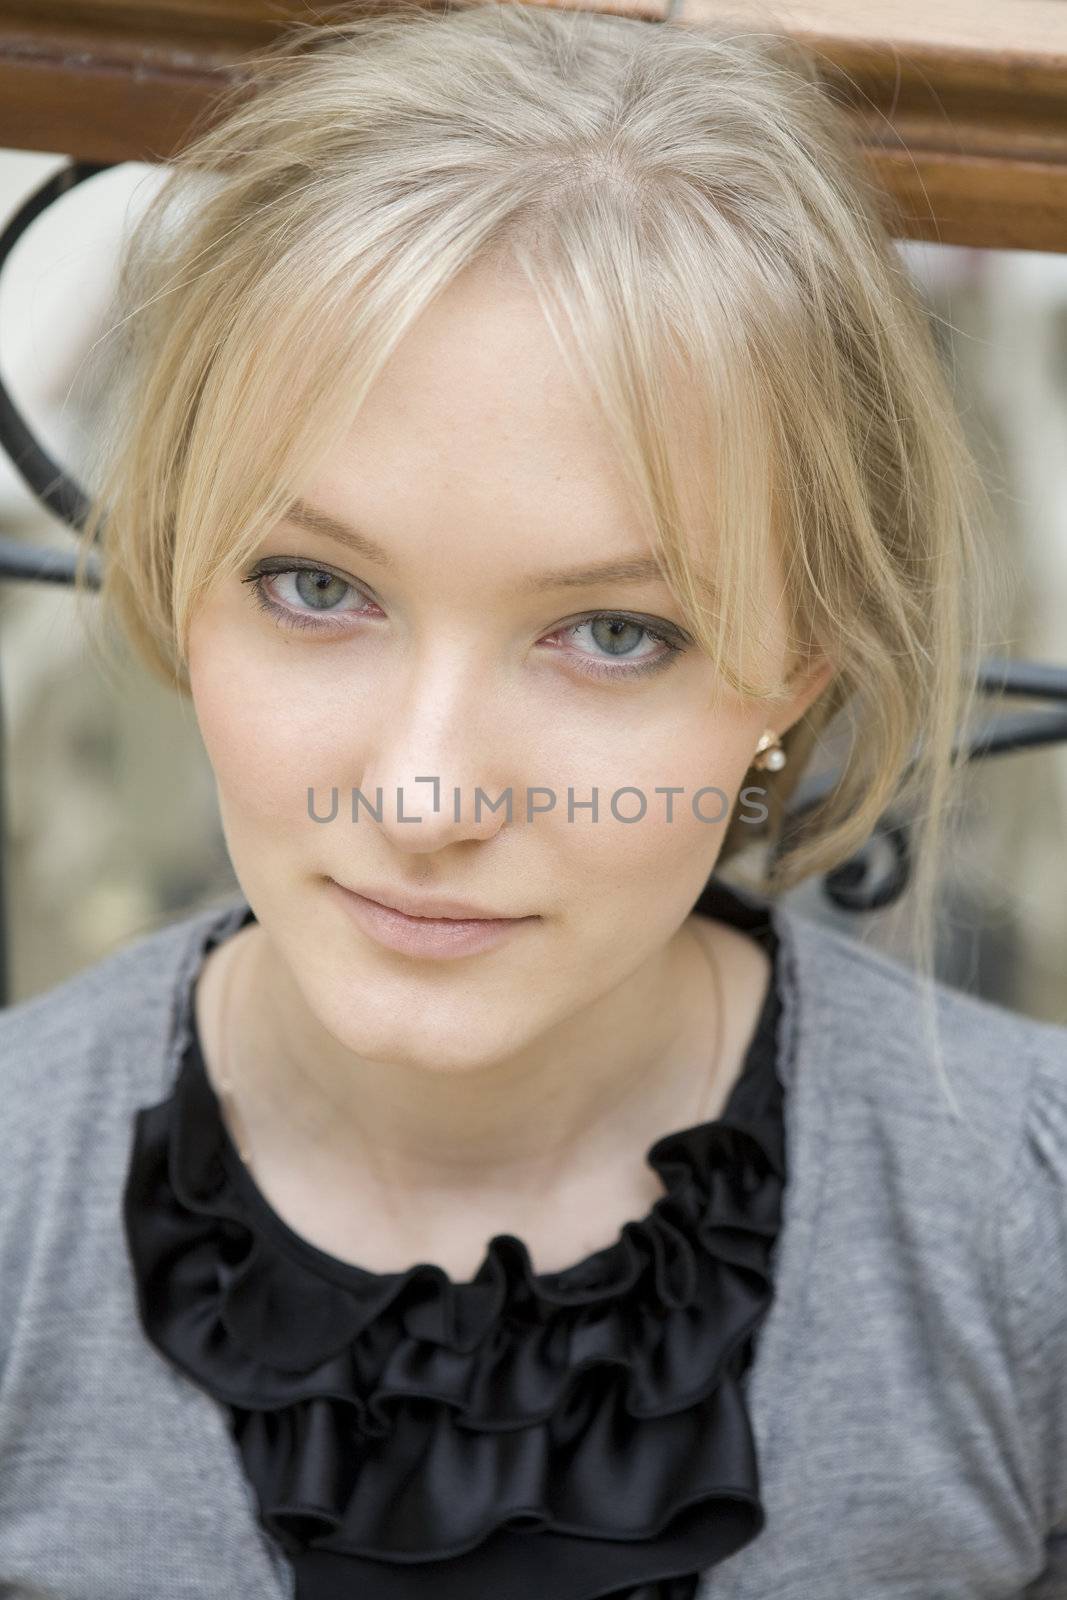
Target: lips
{"type": "Point", "coordinates": [436, 908]}
{"type": "Point", "coordinates": [426, 937]}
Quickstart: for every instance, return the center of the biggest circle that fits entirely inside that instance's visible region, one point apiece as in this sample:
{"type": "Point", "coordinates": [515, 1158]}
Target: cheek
{"type": "Point", "coordinates": [266, 738]}
{"type": "Point", "coordinates": [670, 848]}
{"type": "Point", "coordinates": [682, 784]}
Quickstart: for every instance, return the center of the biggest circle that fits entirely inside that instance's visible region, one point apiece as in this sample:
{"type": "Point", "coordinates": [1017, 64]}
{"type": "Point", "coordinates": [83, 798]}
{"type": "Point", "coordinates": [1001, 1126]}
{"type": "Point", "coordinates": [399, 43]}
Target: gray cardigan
{"type": "Point", "coordinates": [909, 1389]}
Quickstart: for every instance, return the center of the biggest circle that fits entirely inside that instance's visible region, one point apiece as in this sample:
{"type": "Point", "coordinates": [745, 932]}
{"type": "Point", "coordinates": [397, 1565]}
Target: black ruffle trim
{"type": "Point", "coordinates": [574, 1434]}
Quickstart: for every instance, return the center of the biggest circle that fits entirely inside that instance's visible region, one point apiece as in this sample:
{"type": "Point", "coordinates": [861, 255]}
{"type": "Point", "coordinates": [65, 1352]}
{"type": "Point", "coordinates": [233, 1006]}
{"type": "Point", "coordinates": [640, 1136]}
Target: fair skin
{"type": "Point", "coordinates": [398, 1108]}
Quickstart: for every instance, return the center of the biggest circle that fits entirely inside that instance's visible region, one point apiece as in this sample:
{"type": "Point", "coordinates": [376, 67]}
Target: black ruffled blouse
{"type": "Point", "coordinates": [520, 1436]}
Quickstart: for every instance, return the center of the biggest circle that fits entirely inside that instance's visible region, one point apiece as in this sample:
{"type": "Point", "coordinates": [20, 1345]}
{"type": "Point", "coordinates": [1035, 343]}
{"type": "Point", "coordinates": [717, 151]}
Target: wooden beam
{"type": "Point", "coordinates": [961, 109]}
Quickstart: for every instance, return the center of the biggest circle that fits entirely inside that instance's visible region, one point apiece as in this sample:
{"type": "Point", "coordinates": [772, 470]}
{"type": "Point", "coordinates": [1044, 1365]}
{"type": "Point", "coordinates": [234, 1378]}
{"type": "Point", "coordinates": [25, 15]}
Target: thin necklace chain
{"type": "Point", "coordinates": [224, 1080]}
{"type": "Point", "coordinates": [720, 1030]}
{"type": "Point", "coordinates": [226, 1086]}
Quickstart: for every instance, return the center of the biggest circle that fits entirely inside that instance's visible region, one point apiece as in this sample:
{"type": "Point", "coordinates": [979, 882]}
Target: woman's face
{"type": "Point", "coordinates": [467, 646]}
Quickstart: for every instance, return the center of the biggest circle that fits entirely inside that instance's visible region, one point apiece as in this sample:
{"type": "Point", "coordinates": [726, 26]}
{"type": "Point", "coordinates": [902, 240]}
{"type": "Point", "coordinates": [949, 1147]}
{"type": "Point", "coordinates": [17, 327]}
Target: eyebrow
{"type": "Point", "coordinates": [636, 569]}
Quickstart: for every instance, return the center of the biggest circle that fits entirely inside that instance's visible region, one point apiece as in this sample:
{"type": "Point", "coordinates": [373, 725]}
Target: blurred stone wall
{"type": "Point", "coordinates": [112, 825]}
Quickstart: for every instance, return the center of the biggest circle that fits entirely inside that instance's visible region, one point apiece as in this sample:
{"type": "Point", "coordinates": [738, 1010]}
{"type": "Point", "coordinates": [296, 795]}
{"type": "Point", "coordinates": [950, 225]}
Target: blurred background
{"type": "Point", "coordinates": [111, 820]}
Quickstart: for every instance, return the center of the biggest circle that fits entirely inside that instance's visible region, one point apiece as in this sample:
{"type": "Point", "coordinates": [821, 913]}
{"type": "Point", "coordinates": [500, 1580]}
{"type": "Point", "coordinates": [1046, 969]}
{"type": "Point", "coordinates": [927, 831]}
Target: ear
{"type": "Point", "coordinates": [806, 684]}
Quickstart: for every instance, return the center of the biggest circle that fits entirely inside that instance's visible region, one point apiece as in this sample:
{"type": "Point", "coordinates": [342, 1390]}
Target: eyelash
{"type": "Point", "coordinates": [288, 618]}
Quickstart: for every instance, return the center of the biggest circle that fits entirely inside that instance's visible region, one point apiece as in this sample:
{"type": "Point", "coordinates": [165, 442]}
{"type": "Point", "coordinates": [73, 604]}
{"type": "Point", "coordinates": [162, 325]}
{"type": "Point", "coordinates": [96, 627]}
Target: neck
{"type": "Point", "coordinates": [642, 1057]}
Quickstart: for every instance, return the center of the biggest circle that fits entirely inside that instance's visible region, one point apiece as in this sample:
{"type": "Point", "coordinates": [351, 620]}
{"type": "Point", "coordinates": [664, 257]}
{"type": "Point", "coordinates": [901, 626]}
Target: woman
{"type": "Point", "coordinates": [527, 444]}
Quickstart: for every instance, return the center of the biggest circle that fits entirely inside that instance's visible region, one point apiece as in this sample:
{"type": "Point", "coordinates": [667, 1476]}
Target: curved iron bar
{"type": "Point", "coordinates": [49, 482]}
{"type": "Point", "coordinates": [854, 885]}
{"type": "Point", "coordinates": [37, 563]}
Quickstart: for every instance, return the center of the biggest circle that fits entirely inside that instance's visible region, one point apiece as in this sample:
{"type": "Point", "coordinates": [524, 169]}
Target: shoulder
{"type": "Point", "coordinates": [927, 1113]}
{"type": "Point", "coordinates": [76, 1062]}
{"type": "Point", "coordinates": [107, 1023]}
{"type": "Point", "coordinates": [960, 1196]}
{"type": "Point", "coordinates": [896, 1042]}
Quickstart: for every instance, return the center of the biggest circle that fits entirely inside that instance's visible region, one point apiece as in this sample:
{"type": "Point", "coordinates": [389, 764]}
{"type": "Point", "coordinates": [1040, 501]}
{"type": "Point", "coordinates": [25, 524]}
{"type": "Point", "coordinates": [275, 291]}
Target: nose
{"type": "Point", "coordinates": [437, 752]}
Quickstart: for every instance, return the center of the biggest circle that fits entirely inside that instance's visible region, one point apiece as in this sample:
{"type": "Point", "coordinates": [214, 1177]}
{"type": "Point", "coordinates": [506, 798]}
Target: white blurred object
{"type": "Point", "coordinates": [53, 291]}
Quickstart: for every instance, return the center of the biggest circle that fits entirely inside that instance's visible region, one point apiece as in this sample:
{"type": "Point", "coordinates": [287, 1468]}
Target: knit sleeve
{"type": "Point", "coordinates": [1033, 1237]}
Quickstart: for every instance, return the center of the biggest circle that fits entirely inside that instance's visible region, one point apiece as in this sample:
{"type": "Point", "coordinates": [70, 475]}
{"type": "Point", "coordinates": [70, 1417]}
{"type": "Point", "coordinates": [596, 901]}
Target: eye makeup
{"type": "Point", "coordinates": [330, 621]}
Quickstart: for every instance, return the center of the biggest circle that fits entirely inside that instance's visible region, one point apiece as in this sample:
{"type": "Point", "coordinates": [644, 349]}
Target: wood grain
{"type": "Point", "coordinates": [961, 106]}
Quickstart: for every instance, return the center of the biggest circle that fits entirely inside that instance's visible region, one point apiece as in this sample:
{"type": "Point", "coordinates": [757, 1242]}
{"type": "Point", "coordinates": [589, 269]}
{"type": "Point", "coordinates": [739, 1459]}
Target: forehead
{"type": "Point", "coordinates": [478, 387]}
{"type": "Point", "coordinates": [476, 428]}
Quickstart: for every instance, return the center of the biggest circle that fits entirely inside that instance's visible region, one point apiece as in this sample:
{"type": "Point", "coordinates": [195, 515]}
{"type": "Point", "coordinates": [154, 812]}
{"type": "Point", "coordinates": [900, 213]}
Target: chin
{"type": "Point", "coordinates": [446, 1046]}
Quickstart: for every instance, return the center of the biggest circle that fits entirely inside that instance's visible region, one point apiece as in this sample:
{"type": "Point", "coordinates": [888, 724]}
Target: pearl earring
{"type": "Point", "coordinates": [770, 756]}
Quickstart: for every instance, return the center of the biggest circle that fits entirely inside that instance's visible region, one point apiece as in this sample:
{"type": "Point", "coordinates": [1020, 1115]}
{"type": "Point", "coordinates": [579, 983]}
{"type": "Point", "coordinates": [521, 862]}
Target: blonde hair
{"type": "Point", "coordinates": [690, 207]}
